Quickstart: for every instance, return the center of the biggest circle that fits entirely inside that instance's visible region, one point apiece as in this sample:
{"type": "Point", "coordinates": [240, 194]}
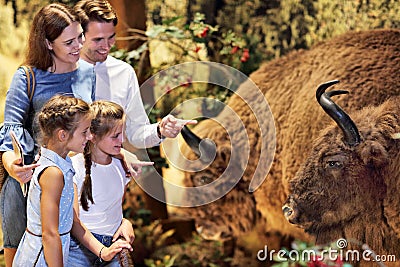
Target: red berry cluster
{"type": "Point", "coordinates": [245, 55]}
{"type": "Point", "coordinates": [203, 33]}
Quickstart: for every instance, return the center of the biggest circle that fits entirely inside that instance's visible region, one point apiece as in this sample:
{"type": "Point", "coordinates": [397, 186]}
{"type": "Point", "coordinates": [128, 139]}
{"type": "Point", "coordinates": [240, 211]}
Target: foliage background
{"type": "Point", "coordinates": [268, 28]}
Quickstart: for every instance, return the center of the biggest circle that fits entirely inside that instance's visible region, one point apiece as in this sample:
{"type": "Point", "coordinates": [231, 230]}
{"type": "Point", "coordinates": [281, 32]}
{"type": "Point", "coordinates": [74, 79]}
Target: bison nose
{"type": "Point", "coordinates": [287, 211]}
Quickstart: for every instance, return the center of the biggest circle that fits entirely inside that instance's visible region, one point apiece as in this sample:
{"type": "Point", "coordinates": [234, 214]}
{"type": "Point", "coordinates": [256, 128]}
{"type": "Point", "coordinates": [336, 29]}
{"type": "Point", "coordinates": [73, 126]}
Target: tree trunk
{"type": "Point", "coordinates": [132, 15]}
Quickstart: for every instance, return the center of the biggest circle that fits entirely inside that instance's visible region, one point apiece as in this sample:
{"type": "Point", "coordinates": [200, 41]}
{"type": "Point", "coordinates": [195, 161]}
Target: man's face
{"type": "Point", "coordinates": [100, 37]}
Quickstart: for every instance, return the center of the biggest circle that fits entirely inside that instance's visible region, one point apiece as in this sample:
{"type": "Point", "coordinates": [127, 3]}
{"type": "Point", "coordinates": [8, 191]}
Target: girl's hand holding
{"type": "Point", "coordinates": [126, 231]}
{"type": "Point", "coordinates": [108, 253]}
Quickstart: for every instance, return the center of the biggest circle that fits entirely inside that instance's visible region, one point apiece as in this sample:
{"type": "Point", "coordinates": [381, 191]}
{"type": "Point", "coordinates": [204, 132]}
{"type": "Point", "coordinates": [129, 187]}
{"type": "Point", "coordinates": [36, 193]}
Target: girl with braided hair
{"type": "Point", "coordinates": [100, 182]}
{"type": "Point", "coordinates": [64, 123]}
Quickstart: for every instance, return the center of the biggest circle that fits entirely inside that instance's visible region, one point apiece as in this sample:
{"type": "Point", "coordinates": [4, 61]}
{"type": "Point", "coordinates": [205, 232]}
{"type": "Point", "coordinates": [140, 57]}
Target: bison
{"type": "Point", "coordinates": [367, 64]}
{"type": "Point", "coordinates": [349, 185]}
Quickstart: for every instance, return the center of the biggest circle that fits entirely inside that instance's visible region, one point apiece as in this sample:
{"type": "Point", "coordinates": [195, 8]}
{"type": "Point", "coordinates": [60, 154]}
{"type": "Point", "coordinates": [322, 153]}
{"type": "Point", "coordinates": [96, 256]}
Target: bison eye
{"type": "Point", "coordinates": [202, 180]}
{"type": "Point", "coordinates": [205, 180]}
{"type": "Point", "coordinates": [334, 164]}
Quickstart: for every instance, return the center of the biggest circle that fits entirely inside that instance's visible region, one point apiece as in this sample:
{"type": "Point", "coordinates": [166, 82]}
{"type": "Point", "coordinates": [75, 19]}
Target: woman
{"type": "Point", "coordinates": [54, 44]}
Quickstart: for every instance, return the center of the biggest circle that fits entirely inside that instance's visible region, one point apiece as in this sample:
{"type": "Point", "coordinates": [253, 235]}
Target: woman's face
{"type": "Point", "coordinates": [66, 48]}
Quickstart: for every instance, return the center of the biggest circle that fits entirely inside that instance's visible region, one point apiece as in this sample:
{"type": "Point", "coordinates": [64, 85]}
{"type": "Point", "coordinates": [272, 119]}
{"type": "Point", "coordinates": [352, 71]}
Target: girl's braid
{"type": "Point", "coordinates": [87, 183]}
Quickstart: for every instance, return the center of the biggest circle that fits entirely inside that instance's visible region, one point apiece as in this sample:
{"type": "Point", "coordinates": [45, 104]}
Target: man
{"type": "Point", "coordinates": [116, 80]}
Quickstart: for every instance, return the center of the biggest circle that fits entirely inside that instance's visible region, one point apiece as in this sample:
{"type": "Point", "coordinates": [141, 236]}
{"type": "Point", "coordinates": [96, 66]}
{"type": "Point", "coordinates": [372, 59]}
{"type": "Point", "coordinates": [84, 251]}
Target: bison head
{"type": "Point", "coordinates": [344, 180]}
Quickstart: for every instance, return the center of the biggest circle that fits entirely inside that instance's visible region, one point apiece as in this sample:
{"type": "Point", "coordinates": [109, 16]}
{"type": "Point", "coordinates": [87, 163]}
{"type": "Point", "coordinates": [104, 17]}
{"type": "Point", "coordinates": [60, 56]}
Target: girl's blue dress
{"type": "Point", "coordinates": [30, 249]}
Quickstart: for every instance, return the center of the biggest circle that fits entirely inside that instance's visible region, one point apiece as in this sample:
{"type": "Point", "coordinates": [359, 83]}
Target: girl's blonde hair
{"type": "Point", "coordinates": [106, 116]}
{"type": "Point", "coordinates": [61, 112]}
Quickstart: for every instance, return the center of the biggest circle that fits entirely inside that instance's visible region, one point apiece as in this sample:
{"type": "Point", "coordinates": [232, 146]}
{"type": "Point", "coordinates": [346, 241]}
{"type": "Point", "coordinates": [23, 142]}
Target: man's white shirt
{"type": "Point", "coordinates": [116, 81]}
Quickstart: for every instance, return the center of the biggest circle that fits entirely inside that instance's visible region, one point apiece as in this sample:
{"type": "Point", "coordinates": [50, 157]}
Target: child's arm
{"type": "Point", "coordinates": [76, 201]}
{"type": "Point", "coordinates": [125, 230]}
{"type": "Point", "coordinates": [80, 231]}
{"type": "Point", "coordinates": [52, 182]}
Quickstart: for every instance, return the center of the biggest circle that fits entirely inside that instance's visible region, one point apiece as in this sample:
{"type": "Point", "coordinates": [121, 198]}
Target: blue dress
{"type": "Point", "coordinates": [18, 115]}
{"type": "Point", "coordinates": [30, 249]}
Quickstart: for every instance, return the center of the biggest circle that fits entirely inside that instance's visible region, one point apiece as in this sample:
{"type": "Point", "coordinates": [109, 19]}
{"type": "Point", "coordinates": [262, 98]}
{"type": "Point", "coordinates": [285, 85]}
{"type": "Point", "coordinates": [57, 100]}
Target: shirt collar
{"type": "Point", "coordinates": [64, 164]}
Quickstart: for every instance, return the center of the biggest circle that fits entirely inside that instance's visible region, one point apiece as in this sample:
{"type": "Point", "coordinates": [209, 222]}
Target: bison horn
{"type": "Point", "coordinates": [203, 148]}
{"type": "Point", "coordinates": [350, 131]}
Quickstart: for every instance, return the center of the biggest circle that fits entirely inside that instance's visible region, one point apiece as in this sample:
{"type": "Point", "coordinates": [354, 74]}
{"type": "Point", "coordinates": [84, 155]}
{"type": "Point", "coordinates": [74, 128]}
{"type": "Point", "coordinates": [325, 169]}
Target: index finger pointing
{"type": "Point", "coordinates": [144, 163]}
{"type": "Point", "coordinates": [191, 122]}
{"type": "Point", "coordinates": [186, 122]}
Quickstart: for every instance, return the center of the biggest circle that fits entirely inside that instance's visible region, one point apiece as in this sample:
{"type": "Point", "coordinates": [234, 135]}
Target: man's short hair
{"type": "Point", "coordinates": [95, 10]}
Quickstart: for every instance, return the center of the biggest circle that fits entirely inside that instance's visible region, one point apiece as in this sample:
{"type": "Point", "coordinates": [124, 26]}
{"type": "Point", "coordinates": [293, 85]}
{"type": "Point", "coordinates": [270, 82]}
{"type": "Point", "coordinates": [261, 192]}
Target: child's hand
{"type": "Point", "coordinates": [108, 253]}
{"type": "Point", "coordinates": [132, 165]}
{"type": "Point", "coordinates": [125, 230]}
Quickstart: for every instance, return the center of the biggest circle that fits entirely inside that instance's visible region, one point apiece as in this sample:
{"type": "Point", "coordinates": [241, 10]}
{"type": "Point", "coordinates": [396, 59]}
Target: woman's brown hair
{"type": "Point", "coordinates": [48, 24]}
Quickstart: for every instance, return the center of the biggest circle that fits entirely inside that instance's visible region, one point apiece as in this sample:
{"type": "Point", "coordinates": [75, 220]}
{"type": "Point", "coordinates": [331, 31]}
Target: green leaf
{"type": "Point", "coordinates": [281, 264]}
{"type": "Point", "coordinates": [171, 20]}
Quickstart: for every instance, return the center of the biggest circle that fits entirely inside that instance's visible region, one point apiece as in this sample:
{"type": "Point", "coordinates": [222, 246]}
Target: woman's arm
{"type": "Point", "coordinates": [16, 113]}
{"type": "Point", "coordinates": [52, 182]}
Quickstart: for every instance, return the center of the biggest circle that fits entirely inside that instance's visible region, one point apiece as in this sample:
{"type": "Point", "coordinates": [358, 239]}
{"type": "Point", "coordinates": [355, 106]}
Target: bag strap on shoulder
{"type": "Point", "coordinates": [30, 78]}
